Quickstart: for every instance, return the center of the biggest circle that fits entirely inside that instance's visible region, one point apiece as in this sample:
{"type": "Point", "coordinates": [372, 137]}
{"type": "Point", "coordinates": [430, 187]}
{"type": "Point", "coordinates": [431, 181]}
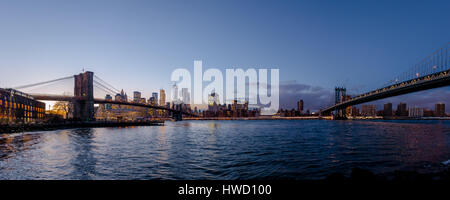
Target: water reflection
{"type": "Point", "coordinates": [83, 161]}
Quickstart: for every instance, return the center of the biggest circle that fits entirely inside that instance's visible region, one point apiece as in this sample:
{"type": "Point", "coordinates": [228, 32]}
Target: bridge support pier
{"type": "Point", "coordinates": [340, 114]}
{"type": "Point", "coordinates": [83, 106]}
{"type": "Point", "coordinates": [177, 116]}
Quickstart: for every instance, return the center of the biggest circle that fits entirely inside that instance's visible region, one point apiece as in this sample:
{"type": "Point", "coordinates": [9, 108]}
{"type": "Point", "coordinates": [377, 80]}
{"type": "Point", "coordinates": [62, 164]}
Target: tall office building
{"type": "Point", "coordinates": [162, 95]}
{"type": "Point", "coordinates": [185, 95]}
{"type": "Point", "coordinates": [136, 96]}
{"type": "Point", "coordinates": [174, 93]}
{"type": "Point", "coordinates": [439, 110]}
{"type": "Point", "coordinates": [155, 96]}
{"type": "Point", "coordinates": [152, 101]}
{"type": "Point", "coordinates": [300, 106]}
{"type": "Point", "coordinates": [401, 110]}
{"type": "Point", "coordinates": [387, 111]}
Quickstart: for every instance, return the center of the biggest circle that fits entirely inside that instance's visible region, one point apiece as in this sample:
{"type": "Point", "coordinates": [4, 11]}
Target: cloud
{"type": "Point", "coordinates": [316, 97]}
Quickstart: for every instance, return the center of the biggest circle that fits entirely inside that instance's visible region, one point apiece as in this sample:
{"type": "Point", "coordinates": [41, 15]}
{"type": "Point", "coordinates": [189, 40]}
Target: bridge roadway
{"type": "Point", "coordinates": [435, 80]}
{"type": "Point", "coordinates": [48, 97]}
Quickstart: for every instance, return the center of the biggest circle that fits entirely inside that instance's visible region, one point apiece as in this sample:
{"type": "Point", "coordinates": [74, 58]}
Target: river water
{"type": "Point", "coordinates": [273, 149]}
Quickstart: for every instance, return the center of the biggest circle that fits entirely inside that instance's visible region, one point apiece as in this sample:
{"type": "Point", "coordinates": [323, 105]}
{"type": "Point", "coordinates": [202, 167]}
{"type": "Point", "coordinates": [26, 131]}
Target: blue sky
{"type": "Point", "coordinates": [135, 45]}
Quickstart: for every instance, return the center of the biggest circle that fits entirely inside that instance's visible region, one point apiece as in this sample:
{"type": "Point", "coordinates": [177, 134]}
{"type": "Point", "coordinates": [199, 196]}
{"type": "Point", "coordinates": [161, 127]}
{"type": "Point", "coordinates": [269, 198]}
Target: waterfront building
{"type": "Point", "coordinates": [439, 110]}
{"type": "Point", "coordinates": [368, 110]}
{"type": "Point", "coordinates": [16, 106]}
{"type": "Point", "coordinates": [387, 111]}
{"type": "Point", "coordinates": [300, 106]}
{"type": "Point", "coordinates": [401, 110]}
{"type": "Point", "coordinates": [354, 111]}
{"type": "Point", "coordinates": [428, 113]}
{"type": "Point", "coordinates": [415, 112]}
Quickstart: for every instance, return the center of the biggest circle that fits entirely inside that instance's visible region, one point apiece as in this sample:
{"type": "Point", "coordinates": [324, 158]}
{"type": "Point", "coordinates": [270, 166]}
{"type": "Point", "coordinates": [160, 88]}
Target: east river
{"type": "Point", "coordinates": [260, 149]}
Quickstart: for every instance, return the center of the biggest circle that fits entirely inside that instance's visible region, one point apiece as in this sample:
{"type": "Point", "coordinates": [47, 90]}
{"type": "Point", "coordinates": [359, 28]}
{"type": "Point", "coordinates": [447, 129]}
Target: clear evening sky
{"type": "Point", "coordinates": [135, 45]}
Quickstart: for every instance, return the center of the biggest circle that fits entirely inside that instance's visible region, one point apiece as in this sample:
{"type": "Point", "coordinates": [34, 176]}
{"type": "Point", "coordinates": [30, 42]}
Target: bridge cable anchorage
{"type": "Point", "coordinates": [41, 83]}
{"type": "Point", "coordinates": [97, 84]}
{"type": "Point", "coordinates": [106, 83]}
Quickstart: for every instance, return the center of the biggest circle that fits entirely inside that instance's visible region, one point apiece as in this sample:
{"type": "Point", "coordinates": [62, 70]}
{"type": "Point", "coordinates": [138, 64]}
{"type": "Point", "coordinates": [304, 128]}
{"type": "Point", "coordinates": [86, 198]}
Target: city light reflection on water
{"type": "Point", "coordinates": [226, 150]}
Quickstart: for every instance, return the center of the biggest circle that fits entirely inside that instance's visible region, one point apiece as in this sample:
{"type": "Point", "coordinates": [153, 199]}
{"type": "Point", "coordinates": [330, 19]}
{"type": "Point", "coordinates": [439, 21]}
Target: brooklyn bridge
{"type": "Point", "coordinates": [83, 100]}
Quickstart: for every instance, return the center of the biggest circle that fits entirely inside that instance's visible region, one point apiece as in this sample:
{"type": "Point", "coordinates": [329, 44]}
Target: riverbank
{"type": "Point", "coordinates": [14, 128]}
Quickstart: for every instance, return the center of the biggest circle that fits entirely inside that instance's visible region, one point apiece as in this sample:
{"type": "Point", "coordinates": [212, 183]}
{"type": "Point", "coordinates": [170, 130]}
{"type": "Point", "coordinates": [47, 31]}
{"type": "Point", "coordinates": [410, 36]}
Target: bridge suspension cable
{"type": "Point", "coordinates": [437, 61]}
{"type": "Point", "coordinates": [42, 83]}
{"type": "Point", "coordinates": [107, 84]}
{"type": "Point", "coordinates": [104, 88]}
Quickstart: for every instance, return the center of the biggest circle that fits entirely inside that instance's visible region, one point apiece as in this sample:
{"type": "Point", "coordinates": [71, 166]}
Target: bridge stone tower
{"type": "Point", "coordinates": [83, 106]}
{"type": "Point", "coordinates": [340, 95]}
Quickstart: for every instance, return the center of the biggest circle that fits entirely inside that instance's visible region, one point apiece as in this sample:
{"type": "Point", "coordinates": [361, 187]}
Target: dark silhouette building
{"type": "Point", "coordinates": [300, 106]}
{"type": "Point", "coordinates": [387, 111]}
{"type": "Point", "coordinates": [439, 110]}
{"type": "Point", "coordinates": [401, 110]}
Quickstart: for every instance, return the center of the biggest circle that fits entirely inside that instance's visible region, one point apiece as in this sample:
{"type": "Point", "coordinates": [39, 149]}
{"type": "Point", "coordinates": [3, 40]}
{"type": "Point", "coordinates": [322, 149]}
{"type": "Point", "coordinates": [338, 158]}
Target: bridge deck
{"type": "Point", "coordinates": [47, 97]}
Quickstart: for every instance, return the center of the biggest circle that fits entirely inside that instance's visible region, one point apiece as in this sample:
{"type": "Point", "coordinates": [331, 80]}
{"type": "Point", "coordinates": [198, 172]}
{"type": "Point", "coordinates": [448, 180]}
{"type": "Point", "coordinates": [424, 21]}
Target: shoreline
{"type": "Point", "coordinates": [314, 118]}
{"type": "Point", "coordinates": [16, 128]}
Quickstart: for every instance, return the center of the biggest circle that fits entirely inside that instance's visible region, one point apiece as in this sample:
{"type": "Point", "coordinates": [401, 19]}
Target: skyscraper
{"type": "Point", "coordinates": [186, 97]}
{"type": "Point", "coordinates": [174, 92]}
{"type": "Point", "coordinates": [439, 110]}
{"type": "Point", "coordinates": [152, 101]}
{"type": "Point", "coordinates": [155, 96]}
{"type": "Point", "coordinates": [136, 96]}
{"type": "Point", "coordinates": [401, 110]}
{"type": "Point", "coordinates": [162, 95]}
{"type": "Point", "coordinates": [300, 106]}
{"type": "Point", "coordinates": [387, 109]}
